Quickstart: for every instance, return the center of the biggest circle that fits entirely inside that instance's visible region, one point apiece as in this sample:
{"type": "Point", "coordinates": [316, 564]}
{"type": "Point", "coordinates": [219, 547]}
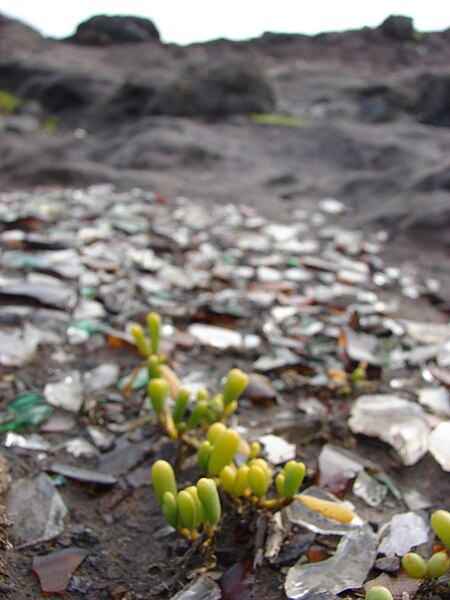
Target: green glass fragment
{"type": "Point", "coordinates": [139, 381]}
{"type": "Point", "coordinates": [87, 326]}
{"type": "Point", "coordinates": [383, 478]}
{"type": "Point", "coordinates": [25, 409]}
{"type": "Point", "coordinates": [292, 261]}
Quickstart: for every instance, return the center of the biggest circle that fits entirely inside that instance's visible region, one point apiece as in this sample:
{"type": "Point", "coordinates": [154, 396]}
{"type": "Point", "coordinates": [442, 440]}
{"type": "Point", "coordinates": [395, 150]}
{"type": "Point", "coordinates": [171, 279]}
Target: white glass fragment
{"type": "Point", "coordinates": [406, 531]}
{"type": "Point", "coordinates": [34, 441]}
{"type": "Point", "coordinates": [67, 393]}
{"type": "Point", "coordinates": [276, 449]}
{"type": "Point", "coordinates": [436, 399]}
{"type": "Point", "coordinates": [440, 444]}
{"type": "Point", "coordinates": [397, 421]}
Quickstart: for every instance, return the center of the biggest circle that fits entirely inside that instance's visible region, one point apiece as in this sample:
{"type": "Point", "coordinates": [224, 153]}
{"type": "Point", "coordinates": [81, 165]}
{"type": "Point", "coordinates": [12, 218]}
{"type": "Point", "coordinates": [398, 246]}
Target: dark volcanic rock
{"type": "Point", "coordinates": [103, 30]}
{"type": "Point", "coordinates": [398, 27]}
{"type": "Point", "coordinates": [433, 105]}
{"type": "Point", "coordinates": [215, 88]}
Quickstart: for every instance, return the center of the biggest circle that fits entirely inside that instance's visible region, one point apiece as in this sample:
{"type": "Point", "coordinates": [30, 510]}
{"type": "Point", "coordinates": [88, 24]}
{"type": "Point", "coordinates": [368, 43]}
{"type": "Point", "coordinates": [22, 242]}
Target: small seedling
{"type": "Point", "coordinates": [190, 509]}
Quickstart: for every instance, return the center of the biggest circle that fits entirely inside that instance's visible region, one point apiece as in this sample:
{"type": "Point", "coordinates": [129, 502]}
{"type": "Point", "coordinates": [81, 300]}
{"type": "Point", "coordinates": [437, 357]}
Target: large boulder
{"type": "Point", "coordinates": [398, 27]}
{"type": "Point", "coordinates": [433, 98]}
{"type": "Point", "coordinates": [103, 30]}
{"type": "Point", "coordinates": [214, 88]}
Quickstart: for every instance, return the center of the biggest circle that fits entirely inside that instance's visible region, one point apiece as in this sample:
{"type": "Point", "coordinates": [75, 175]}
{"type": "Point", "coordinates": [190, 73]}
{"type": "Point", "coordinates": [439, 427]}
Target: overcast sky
{"type": "Point", "coordinates": [185, 21]}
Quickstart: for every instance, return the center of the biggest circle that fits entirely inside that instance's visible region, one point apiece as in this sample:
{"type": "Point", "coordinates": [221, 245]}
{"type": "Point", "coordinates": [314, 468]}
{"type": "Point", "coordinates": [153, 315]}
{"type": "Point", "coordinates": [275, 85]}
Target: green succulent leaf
{"type": "Point", "coordinates": [258, 481]}
{"type": "Point", "coordinates": [241, 481]}
{"type": "Point", "coordinates": [203, 454]}
{"type": "Point", "coordinates": [154, 330]}
{"type": "Point", "coordinates": [227, 478]}
{"type": "Point", "coordinates": [187, 513]}
{"type": "Point", "coordinates": [438, 565]}
{"type": "Point", "coordinates": [223, 451]}
{"type": "Point", "coordinates": [209, 497]}
{"type": "Point", "coordinates": [139, 338]}
{"type": "Point", "coordinates": [170, 509]}
{"type": "Point", "coordinates": [181, 402]}
{"type": "Point", "coordinates": [234, 385]}
{"type": "Point", "coordinates": [158, 390]}
{"type": "Point", "coordinates": [163, 479]}
{"type": "Point", "coordinates": [440, 522]}
{"type": "Point", "coordinates": [379, 592]}
{"type": "Point", "coordinates": [414, 565]}
{"type": "Point", "coordinates": [294, 473]}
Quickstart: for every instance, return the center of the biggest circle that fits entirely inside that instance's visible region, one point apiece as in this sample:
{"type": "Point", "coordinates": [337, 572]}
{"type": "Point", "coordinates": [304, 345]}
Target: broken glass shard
{"type": "Point", "coordinates": [414, 500]}
{"type": "Point", "coordinates": [18, 346]}
{"type": "Point", "coordinates": [58, 423]}
{"type": "Point", "coordinates": [220, 337]}
{"type": "Point", "coordinates": [361, 346]}
{"type": "Point", "coordinates": [80, 474]}
{"type": "Point", "coordinates": [203, 588]}
{"type": "Point", "coordinates": [54, 296]}
{"type": "Point", "coordinates": [135, 380]}
{"type": "Point", "coordinates": [259, 389]}
{"type": "Point", "coordinates": [332, 206]}
{"type": "Point", "coordinates": [80, 447]}
{"type": "Point", "coordinates": [300, 514]}
{"type": "Point", "coordinates": [336, 464]}
{"type": "Point", "coordinates": [104, 440]}
{"type": "Point", "coordinates": [33, 441]}
{"type": "Point", "coordinates": [276, 449]}
{"type": "Point", "coordinates": [369, 489]}
{"type": "Point", "coordinates": [440, 446]}
{"type": "Point", "coordinates": [397, 421]}
{"type": "Point", "coordinates": [437, 400]}
{"type": "Point", "coordinates": [55, 569]}
{"type": "Point", "coordinates": [345, 570]}
{"type": "Point", "coordinates": [67, 393]}
{"type": "Point", "coordinates": [125, 456]}
{"type": "Point", "coordinates": [405, 531]}
{"type": "Point", "coordinates": [101, 377]}
{"type": "Point", "coordinates": [27, 408]}
{"type": "Point", "coordinates": [88, 309]}
{"type": "Point", "coordinates": [36, 510]}
{"type": "Point", "coordinates": [427, 333]}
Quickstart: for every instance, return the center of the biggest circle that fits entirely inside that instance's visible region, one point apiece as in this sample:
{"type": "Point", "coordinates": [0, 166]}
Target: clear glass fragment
{"type": "Point", "coordinates": [336, 464]}
{"type": "Point", "coordinates": [440, 444]}
{"type": "Point", "coordinates": [18, 346]}
{"type": "Point", "coordinates": [203, 588]}
{"type": "Point", "coordinates": [101, 377]}
{"type": "Point", "coordinates": [369, 489]}
{"type": "Point", "coordinates": [34, 441]}
{"type": "Point", "coordinates": [345, 570]}
{"type": "Point", "coordinates": [405, 531]}
{"type": "Point", "coordinates": [397, 421]}
{"type": "Point", "coordinates": [36, 510]}
{"type": "Point", "coordinates": [276, 449]}
{"type": "Point", "coordinates": [80, 474]}
{"type": "Point", "coordinates": [67, 393]}
{"type": "Point", "coordinates": [436, 399]}
{"type": "Point", "coordinates": [80, 447]}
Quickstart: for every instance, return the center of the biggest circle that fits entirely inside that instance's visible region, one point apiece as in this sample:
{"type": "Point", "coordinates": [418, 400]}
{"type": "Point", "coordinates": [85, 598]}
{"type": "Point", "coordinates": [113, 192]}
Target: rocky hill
{"type": "Point", "coordinates": [279, 122]}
